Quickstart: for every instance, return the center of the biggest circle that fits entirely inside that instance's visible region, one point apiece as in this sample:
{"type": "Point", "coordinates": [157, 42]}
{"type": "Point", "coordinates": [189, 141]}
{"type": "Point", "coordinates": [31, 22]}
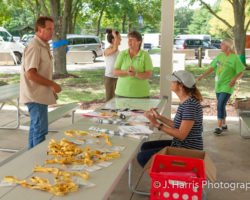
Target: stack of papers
{"type": "Point", "coordinates": [137, 129]}
{"type": "Point", "coordinates": [138, 118]}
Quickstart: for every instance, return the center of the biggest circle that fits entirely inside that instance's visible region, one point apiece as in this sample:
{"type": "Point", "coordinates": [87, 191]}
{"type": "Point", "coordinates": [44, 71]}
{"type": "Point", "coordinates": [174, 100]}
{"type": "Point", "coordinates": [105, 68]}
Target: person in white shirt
{"type": "Point", "coordinates": [110, 55]}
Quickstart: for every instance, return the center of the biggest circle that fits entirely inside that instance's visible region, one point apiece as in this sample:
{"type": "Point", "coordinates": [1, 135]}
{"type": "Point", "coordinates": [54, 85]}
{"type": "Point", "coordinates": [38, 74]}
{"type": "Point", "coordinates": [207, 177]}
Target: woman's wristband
{"type": "Point", "coordinates": [160, 126]}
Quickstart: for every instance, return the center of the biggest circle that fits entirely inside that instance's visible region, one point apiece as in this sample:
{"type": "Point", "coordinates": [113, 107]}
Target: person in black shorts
{"type": "Point", "coordinates": [187, 126]}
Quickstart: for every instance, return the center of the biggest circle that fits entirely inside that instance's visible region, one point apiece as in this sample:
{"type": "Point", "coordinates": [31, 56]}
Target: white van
{"type": "Point", "coordinates": [194, 36]}
{"type": "Point", "coordinates": [7, 43]}
{"type": "Point", "coordinates": [85, 43]}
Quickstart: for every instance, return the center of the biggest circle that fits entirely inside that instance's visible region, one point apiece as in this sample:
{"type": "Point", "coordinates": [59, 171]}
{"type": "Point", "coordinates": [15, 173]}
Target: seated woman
{"type": "Point", "coordinates": [187, 125]}
{"type": "Point", "coordinates": [133, 67]}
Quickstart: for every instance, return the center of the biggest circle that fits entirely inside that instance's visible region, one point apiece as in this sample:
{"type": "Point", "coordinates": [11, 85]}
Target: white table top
{"type": "Point", "coordinates": [105, 178]}
{"type": "Point", "coordinates": [9, 92]}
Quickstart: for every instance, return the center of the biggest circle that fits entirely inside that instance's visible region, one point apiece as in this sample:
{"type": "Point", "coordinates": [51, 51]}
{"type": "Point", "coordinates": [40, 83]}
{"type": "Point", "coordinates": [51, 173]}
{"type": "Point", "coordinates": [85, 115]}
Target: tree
{"type": "Point", "coordinates": [62, 13]}
{"type": "Point", "coordinates": [76, 7]}
{"type": "Point", "coordinates": [217, 27]}
{"type": "Point", "coordinates": [112, 14]}
{"type": "Point", "coordinates": [98, 8]}
{"type": "Point", "coordinates": [199, 22]}
{"type": "Point", "coordinates": [122, 15]}
{"type": "Point", "coordinates": [240, 27]}
{"type": "Point", "coordinates": [182, 19]}
{"type": "Point", "coordinates": [5, 13]}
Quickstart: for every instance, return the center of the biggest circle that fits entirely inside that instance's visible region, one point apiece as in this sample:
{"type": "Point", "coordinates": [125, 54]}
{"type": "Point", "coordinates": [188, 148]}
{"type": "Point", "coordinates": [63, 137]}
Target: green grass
{"type": "Point", "coordinates": [155, 82]}
{"type": "Point", "coordinates": [9, 79]}
{"type": "Point", "coordinates": [89, 84]}
{"type": "Point", "coordinates": [155, 50]}
{"type": "Point", "coordinates": [206, 86]}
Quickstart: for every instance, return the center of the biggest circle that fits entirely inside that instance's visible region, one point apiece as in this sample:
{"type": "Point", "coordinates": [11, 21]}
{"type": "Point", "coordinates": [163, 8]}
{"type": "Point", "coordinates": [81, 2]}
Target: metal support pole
{"type": "Point", "coordinates": [73, 117]}
{"type": "Point", "coordinates": [17, 116]}
{"type": "Point", "coordinates": [131, 187]}
{"type": "Point", "coordinates": [9, 150]}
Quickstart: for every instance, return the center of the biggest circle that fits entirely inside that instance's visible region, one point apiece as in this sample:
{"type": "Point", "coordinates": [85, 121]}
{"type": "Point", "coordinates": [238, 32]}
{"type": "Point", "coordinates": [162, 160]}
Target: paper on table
{"type": "Point", "coordinates": [84, 183]}
{"type": "Point", "coordinates": [126, 113]}
{"type": "Point", "coordinates": [137, 129]}
{"type": "Point", "coordinates": [138, 118]}
{"type": "Point", "coordinates": [91, 168]}
{"type": "Point", "coordinates": [77, 168]}
{"type": "Point", "coordinates": [110, 132]}
{"type": "Point", "coordinates": [95, 114]}
{"type": "Point", "coordinates": [3, 183]}
{"type": "Point", "coordinates": [104, 164]}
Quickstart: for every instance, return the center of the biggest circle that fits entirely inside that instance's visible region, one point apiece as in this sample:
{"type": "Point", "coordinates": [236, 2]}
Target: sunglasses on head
{"type": "Point", "coordinates": [179, 80]}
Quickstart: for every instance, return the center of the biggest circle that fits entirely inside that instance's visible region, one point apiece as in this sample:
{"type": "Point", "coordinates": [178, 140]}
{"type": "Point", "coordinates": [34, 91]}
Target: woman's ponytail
{"type": "Point", "coordinates": [194, 92]}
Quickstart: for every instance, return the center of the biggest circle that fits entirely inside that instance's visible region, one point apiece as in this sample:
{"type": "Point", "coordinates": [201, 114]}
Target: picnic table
{"type": "Point", "coordinates": [244, 122]}
{"type": "Point", "coordinates": [105, 180]}
{"type": "Point", "coordinates": [8, 93]}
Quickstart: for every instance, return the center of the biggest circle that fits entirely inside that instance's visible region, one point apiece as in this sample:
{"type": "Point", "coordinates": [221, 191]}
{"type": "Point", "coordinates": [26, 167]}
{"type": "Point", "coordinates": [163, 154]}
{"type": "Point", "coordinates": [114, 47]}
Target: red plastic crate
{"type": "Point", "coordinates": [176, 178]}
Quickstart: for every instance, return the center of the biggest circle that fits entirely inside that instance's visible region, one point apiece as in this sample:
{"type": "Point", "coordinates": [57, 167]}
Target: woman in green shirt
{"type": "Point", "coordinates": [133, 67]}
{"type": "Point", "coordinates": [228, 68]}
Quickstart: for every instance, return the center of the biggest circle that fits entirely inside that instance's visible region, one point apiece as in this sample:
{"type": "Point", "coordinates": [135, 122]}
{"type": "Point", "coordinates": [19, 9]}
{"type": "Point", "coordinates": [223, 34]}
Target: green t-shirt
{"type": "Point", "coordinates": [227, 67]}
{"type": "Point", "coordinates": [129, 86]}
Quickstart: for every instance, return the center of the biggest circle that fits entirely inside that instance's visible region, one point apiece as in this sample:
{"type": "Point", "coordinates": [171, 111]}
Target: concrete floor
{"type": "Point", "coordinates": [229, 152]}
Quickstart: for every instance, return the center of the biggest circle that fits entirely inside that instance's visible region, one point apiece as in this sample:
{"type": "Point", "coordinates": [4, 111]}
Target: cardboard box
{"type": "Point", "coordinates": [182, 152]}
{"type": "Point", "coordinates": [242, 103]}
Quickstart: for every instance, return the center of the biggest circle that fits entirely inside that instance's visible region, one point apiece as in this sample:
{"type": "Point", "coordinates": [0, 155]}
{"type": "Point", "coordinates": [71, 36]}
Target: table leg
{"type": "Point", "coordinates": [73, 117]}
{"type": "Point", "coordinates": [9, 150]}
{"type": "Point", "coordinates": [17, 116]}
{"type": "Point", "coordinates": [130, 184]}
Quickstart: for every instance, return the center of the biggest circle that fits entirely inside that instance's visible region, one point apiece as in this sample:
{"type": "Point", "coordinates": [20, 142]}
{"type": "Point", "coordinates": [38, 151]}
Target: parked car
{"type": "Point", "coordinates": [85, 43]}
{"type": "Point", "coordinates": [7, 42]}
{"type": "Point", "coordinates": [147, 46]}
{"type": "Point", "coordinates": [16, 38]}
{"type": "Point", "coordinates": [193, 44]}
{"type": "Point", "coordinates": [216, 43]}
{"type": "Point", "coordinates": [26, 38]}
{"type": "Point", "coordinates": [194, 36]}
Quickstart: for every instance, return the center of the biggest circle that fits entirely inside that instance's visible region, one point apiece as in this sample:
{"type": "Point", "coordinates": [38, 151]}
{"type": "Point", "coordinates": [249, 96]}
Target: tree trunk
{"type": "Point", "coordinates": [74, 23]}
{"type": "Point", "coordinates": [73, 14]}
{"type": "Point", "coordinates": [238, 29]}
{"type": "Point", "coordinates": [99, 21]}
{"type": "Point", "coordinates": [61, 27]}
{"type": "Point", "coordinates": [129, 27]}
{"type": "Point", "coordinates": [38, 9]}
{"type": "Point", "coordinates": [124, 22]}
{"type": "Point", "coordinates": [45, 10]}
{"type": "Point", "coordinates": [73, 20]}
{"type": "Point", "coordinates": [70, 31]}
{"type": "Point", "coordinates": [35, 8]}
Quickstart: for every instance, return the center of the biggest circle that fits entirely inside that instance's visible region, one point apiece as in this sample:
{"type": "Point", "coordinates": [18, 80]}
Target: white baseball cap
{"type": "Point", "coordinates": [184, 77]}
